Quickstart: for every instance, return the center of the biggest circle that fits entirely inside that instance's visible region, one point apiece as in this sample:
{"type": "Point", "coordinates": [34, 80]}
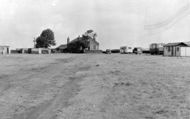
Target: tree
{"type": "Point", "coordinates": [79, 45]}
{"type": "Point", "coordinates": [46, 39]}
{"type": "Point", "coordinates": [90, 34]}
{"type": "Point", "coordinates": [82, 42]}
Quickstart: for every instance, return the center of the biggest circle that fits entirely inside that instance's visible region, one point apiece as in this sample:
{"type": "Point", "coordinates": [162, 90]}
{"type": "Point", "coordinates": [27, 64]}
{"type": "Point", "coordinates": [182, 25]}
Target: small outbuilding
{"type": "Point", "coordinates": [4, 50]}
{"type": "Point", "coordinates": [177, 49]}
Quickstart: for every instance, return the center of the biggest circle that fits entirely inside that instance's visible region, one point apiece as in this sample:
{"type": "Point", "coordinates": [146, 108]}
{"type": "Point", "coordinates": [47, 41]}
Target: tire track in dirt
{"type": "Point", "coordinates": [48, 109]}
{"type": "Point", "coordinates": [60, 101]}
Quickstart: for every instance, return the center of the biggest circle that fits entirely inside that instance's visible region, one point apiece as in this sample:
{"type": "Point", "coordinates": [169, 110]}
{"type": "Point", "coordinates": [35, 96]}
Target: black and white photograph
{"type": "Point", "coordinates": [94, 59]}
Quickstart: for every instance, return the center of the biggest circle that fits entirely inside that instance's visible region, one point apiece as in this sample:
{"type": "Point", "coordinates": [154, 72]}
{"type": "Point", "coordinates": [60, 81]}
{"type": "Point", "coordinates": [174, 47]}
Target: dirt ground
{"type": "Point", "coordinates": [86, 86]}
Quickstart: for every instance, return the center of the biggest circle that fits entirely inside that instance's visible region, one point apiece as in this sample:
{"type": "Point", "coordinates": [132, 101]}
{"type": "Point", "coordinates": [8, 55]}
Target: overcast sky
{"type": "Point", "coordinates": [117, 22]}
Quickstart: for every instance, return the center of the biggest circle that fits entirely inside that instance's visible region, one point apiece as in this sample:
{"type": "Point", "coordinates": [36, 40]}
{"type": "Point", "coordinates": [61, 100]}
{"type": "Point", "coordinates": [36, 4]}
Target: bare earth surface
{"type": "Point", "coordinates": [71, 86]}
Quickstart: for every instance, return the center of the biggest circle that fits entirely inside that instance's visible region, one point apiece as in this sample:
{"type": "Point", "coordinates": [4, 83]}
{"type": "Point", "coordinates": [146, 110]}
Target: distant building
{"type": "Point", "coordinates": [76, 45]}
{"type": "Point", "coordinates": [61, 48]}
{"type": "Point", "coordinates": [93, 44]}
{"type": "Point", "coordinates": [40, 51]}
{"type": "Point", "coordinates": [126, 50]}
{"type": "Point", "coordinates": [31, 51]}
{"type": "Point", "coordinates": [177, 49]}
{"type": "Point", "coordinates": [4, 50]}
{"type": "Point", "coordinates": [157, 48]}
{"type": "Point", "coordinates": [24, 50]}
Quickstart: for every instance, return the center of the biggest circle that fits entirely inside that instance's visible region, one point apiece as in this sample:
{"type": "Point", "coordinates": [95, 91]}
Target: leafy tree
{"type": "Point", "coordinates": [89, 31]}
{"type": "Point", "coordinates": [79, 45]}
{"type": "Point", "coordinates": [46, 39]}
{"type": "Point", "coordinates": [90, 34]}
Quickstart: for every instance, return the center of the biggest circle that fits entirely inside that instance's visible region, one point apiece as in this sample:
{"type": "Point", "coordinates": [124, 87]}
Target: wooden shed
{"type": "Point", "coordinates": [177, 49]}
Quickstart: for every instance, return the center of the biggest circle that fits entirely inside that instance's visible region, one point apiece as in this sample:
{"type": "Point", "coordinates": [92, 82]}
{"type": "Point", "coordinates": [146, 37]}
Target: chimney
{"type": "Point", "coordinates": [68, 40]}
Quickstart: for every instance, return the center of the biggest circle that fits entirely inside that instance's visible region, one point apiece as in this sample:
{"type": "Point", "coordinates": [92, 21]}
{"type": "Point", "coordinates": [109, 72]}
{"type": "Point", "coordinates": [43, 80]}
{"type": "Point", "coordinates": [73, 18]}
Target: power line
{"type": "Point", "coordinates": [169, 22]}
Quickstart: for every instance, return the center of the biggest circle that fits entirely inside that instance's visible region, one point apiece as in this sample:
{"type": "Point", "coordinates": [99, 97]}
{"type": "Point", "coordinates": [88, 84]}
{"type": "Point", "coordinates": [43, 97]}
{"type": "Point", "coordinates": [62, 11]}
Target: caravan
{"type": "Point", "coordinates": [126, 50]}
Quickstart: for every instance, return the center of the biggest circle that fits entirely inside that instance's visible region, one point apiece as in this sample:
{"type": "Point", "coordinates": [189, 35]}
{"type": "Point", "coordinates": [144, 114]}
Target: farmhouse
{"type": "Point", "coordinates": [93, 44]}
{"type": "Point", "coordinates": [82, 44]}
{"type": "Point", "coordinates": [177, 49]}
{"type": "Point", "coordinates": [4, 50]}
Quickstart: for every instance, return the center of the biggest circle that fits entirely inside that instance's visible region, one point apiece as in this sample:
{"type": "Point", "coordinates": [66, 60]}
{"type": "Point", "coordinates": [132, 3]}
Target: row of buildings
{"type": "Point", "coordinates": [6, 50]}
{"type": "Point", "coordinates": [171, 49]}
{"type": "Point", "coordinates": [64, 48]}
{"type": "Point", "coordinates": [178, 49]}
{"type": "Point", "coordinates": [83, 44]}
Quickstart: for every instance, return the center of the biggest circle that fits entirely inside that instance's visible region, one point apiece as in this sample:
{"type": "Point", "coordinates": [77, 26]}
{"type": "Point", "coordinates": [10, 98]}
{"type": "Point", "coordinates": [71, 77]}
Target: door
{"type": "Point", "coordinates": [173, 51]}
{"type": "Point", "coordinates": [7, 50]}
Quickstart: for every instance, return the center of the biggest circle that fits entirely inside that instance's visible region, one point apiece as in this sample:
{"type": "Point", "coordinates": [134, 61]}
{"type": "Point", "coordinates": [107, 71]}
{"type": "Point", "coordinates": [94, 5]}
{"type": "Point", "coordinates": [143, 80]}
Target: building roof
{"type": "Point", "coordinates": [177, 44]}
{"type": "Point", "coordinates": [4, 46]}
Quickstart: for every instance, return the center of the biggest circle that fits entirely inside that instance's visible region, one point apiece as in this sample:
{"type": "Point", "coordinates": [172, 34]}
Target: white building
{"type": "Point", "coordinates": [40, 51]}
{"type": "Point", "coordinates": [126, 50]}
{"type": "Point", "coordinates": [4, 50]}
{"type": "Point", "coordinates": [177, 49]}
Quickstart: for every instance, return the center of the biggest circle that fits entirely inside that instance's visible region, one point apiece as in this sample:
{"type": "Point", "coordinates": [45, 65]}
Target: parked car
{"type": "Point", "coordinates": [108, 51]}
{"type": "Point", "coordinates": [137, 50]}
